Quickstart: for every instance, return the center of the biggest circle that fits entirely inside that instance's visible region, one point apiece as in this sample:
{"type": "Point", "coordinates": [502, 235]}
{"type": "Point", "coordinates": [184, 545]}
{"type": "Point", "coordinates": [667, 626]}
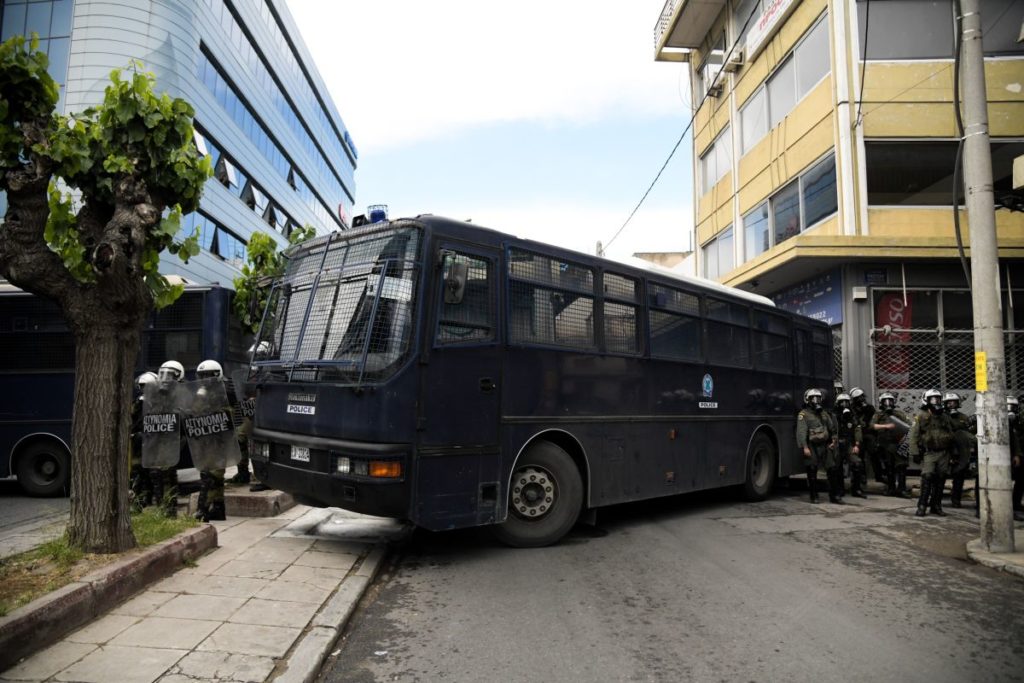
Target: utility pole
{"type": "Point", "coordinates": [994, 484]}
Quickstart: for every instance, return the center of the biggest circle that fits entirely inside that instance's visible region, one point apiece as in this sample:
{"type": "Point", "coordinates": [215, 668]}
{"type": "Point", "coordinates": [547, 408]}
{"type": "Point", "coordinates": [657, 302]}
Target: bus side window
{"type": "Point", "coordinates": [471, 317]}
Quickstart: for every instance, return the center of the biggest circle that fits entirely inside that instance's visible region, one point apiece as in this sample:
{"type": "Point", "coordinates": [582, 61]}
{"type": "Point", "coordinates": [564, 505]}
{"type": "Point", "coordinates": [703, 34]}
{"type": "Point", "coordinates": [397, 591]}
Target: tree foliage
{"type": "Point", "coordinates": [264, 263]}
{"type": "Point", "coordinates": [93, 199]}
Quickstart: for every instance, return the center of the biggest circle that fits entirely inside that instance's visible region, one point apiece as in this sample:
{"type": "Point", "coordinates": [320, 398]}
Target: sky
{"type": "Point", "coordinates": [547, 119]}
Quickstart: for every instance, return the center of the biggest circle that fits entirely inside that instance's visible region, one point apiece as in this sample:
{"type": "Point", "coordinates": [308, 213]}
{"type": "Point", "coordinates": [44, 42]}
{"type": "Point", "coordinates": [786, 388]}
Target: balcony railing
{"type": "Point", "coordinates": [665, 20]}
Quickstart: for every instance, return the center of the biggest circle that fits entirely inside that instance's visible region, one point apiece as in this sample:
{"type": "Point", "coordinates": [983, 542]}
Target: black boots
{"type": "Point", "coordinates": [835, 486]}
{"type": "Point", "coordinates": [202, 505]}
{"type": "Point", "coordinates": [216, 512]}
{"type": "Point", "coordinates": [857, 480]}
{"type": "Point", "coordinates": [938, 488]}
{"type": "Point", "coordinates": [957, 491]}
{"type": "Point", "coordinates": [812, 483]}
{"type": "Point", "coordinates": [922, 501]}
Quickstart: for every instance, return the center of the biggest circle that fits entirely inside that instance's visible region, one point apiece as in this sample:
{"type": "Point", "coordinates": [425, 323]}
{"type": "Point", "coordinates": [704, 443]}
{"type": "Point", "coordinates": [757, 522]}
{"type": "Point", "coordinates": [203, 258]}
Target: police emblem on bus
{"type": "Point", "coordinates": [301, 410]}
{"type": "Point", "coordinates": [707, 387]}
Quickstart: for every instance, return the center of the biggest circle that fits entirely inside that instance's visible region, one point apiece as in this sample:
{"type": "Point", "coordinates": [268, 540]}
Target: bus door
{"type": "Point", "coordinates": [458, 461]}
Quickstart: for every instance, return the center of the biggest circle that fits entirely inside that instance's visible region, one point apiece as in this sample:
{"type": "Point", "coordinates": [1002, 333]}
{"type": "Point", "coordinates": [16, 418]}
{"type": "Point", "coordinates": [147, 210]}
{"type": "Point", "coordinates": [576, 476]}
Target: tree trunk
{"type": "Point", "coordinates": [104, 362]}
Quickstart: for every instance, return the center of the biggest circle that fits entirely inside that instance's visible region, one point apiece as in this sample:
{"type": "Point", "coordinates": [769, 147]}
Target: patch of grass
{"type": "Point", "coordinates": [150, 526]}
{"type": "Point", "coordinates": [56, 563]}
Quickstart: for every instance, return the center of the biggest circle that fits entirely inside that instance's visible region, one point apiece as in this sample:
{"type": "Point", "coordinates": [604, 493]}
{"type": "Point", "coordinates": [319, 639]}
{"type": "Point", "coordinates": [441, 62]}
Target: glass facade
{"type": "Point", "coordinates": [51, 20]}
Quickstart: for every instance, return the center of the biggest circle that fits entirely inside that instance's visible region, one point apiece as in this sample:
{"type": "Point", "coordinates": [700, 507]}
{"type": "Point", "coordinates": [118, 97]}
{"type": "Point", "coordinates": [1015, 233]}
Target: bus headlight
{"type": "Point", "coordinates": [343, 465]}
{"type": "Point", "coordinates": [259, 450]}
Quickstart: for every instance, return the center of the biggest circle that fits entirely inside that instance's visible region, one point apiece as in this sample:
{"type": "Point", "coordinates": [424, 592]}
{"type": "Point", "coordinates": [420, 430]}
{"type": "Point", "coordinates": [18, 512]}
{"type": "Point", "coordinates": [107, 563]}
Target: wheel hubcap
{"type": "Point", "coordinates": [46, 469]}
{"type": "Point", "coordinates": [534, 492]}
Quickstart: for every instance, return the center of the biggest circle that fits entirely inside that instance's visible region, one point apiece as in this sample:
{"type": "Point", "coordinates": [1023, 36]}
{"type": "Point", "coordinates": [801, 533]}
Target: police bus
{"type": "Point", "coordinates": [37, 372]}
{"type": "Point", "coordinates": [451, 375]}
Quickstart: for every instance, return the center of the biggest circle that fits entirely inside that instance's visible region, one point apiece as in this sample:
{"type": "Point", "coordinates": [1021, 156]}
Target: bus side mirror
{"type": "Point", "coordinates": [455, 274]}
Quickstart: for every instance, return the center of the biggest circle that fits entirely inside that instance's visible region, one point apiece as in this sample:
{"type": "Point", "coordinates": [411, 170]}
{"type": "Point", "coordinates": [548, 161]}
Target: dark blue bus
{"type": "Point", "coordinates": [451, 375]}
{"type": "Point", "coordinates": [37, 372]}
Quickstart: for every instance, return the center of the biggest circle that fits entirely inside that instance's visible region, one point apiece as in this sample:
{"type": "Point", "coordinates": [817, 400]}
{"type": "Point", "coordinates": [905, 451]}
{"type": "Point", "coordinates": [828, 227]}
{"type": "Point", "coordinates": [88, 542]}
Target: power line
{"type": "Point", "coordinates": [689, 125]}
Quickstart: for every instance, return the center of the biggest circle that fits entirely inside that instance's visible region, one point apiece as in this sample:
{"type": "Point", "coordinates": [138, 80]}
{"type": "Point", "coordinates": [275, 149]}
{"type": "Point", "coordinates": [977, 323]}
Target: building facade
{"type": "Point", "coordinates": [825, 145]}
{"type": "Point", "coordinates": [281, 153]}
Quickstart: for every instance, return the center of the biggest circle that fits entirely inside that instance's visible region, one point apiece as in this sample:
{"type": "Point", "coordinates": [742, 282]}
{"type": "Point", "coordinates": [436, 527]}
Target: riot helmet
{"type": "Point", "coordinates": [932, 399]}
{"type": "Point", "coordinates": [951, 401]}
{"type": "Point", "coordinates": [843, 402]}
{"type": "Point", "coordinates": [887, 401]}
{"type": "Point", "coordinates": [858, 397]}
{"type": "Point", "coordinates": [812, 398]}
{"type": "Point", "coordinates": [145, 378]}
{"type": "Point", "coordinates": [209, 369]}
{"type": "Point", "coordinates": [171, 371]}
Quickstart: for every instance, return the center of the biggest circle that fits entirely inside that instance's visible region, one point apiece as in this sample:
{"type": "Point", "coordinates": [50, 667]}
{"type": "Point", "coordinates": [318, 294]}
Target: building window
{"type": "Point", "coordinates": [741, 11]}
{"type": "Point", "coordinates": [791, 82]}
{"type": "Point", "coordinates": [756, 235]}
{"type": "Point", "coordinates": [717, 161]}
{"type": "Point", "coordinates": [718, 256]}
{"type": "Point", "coordinates": [712, 65]}
{"type": "Point", "coordinates": [51, 20]}
{"type": "Point", "coordinates": [799, 205]}
{"type": "Point", "coordinates": [920, 173]}
{"type": "Point", "coordinates": [923, 29]}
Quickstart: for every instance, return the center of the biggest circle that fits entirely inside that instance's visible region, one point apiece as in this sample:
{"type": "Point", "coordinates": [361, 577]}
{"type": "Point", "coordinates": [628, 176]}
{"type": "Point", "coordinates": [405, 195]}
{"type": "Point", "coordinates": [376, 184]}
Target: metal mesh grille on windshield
{"type": "Point", "coordinates": [344, 309]}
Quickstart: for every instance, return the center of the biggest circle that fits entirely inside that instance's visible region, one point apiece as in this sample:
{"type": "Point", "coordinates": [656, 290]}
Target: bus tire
{"type": "Point", "coordinates": [545, 498]}
{"type": "Point", "coordinates": [761, 464]}
{"type": "Point", "coordinates": [43, 469]}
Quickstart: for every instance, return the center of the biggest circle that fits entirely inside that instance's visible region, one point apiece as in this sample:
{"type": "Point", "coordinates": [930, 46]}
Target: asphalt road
{"type": "Point", "coordinates": [696, 588]}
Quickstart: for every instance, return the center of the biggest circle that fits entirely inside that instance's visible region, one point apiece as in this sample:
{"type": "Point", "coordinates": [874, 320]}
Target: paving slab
{"type": "Point", "coordinates": [121, 664]}
{"type": "Point", "coordinates": [250, 639]}
{"type": "Point", "coordinates": [143, 604]}
{"type": "Point", "coordinates": [289, 591]}
{"type": "Point", "coordinates": [321, 577]}
{"type": "Point", "coordinates": [163, 632]}
{"type": "Point", "coordinates": [252, 570]}
{"type": "Point", "coordinates": [223, 666]}
{"type": "Point", "coordinates": [340, 561]}
{"type": "Point", "coordinates": [206, 607]}
{"type": "Point", "coordinates": [48, 662]}
{"type": "Point", "coordinates": [193, 583]}
{"type": "Point", "coordinates": [103, 629]}
{"type": "Point", "coordinates": [275, 613]}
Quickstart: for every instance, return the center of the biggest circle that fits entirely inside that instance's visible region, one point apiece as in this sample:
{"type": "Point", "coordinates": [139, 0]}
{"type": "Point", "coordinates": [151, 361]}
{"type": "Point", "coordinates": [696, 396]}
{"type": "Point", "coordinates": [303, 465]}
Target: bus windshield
{"type": "Point", "coordinates": [343, 311]}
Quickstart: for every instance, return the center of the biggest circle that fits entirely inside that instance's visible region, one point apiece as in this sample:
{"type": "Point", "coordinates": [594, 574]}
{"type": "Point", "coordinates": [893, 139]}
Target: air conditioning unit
{"type": "Point", "coordinates": [735, 62]}
{"type": "Point", "coordinates": [715, 90]}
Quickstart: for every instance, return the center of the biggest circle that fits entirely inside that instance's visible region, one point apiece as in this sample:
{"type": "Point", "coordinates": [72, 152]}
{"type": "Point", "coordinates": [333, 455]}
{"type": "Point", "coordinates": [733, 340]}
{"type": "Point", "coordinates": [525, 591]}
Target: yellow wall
{"type": "Point", "coordinates": [915, 99]}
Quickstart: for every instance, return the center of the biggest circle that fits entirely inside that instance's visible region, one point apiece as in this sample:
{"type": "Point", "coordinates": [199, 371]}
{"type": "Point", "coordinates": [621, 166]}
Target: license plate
{"type": "Point", "coordinates": [300, 453]}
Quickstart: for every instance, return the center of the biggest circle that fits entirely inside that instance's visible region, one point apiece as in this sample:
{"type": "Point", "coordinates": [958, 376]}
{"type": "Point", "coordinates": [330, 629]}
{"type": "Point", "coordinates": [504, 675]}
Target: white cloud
{"type": "Point", "coordinates": [407, 70]}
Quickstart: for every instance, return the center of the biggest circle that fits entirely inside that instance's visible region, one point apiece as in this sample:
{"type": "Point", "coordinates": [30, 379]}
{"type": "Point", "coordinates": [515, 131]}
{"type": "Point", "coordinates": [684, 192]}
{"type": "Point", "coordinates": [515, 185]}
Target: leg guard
{"type": "Point", "coordinates": [922, 501]}
{"type": "Point", "coordinates": [203, 505]}
{"type": "Point", "coordinates": [957, 491]}
{"type": "Point", "coordinates": [938, 488]}
{"type": "Point", "coordinates": [812, 483]}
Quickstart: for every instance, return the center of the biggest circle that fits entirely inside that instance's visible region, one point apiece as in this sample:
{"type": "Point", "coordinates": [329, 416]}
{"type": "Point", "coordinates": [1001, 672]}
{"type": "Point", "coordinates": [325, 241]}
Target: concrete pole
{"type": "Point", "coordinates": [990, 361]}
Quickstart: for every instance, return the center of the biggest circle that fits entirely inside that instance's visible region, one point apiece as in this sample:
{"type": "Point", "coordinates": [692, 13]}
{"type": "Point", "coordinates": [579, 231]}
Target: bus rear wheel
{"type": "Point", "coordinates": [43, 469]}
{"type": "Point", "coordinates": [545, 497]}
{"type": "Point", "coordinates": [760, 468]}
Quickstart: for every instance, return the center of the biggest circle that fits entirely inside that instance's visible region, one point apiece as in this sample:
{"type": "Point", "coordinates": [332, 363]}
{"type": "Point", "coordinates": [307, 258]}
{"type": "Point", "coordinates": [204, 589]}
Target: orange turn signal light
{"type": "Point", "coordinates": [385, 468]}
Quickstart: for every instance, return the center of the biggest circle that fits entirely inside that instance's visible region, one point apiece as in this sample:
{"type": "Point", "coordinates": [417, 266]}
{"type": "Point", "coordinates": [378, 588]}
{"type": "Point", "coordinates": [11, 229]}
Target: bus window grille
{"type": "Point", "coordinates": [620, 329]}
{"type": "Point", "coordinates": [471, 319]}
{"type": "Point", "coordinates": [546, 316]}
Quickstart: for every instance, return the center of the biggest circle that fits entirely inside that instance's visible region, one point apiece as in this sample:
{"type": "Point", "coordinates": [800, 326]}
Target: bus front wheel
{"type": "Point", "coordinates": [545, 497]}
{"type": "Point", "coordinates": [43, 469]}
{"type": "Point", "coordinates": [760, 468]}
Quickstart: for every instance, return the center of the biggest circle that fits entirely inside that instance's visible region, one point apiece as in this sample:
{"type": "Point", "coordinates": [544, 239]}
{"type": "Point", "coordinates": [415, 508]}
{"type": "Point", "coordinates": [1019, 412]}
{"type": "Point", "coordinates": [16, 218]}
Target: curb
{"type": "Point", "coordinates": [978, 554]}
{"type": "Point", "coordinates": [46, 619]}
{"type": "Point", "coordinates": [308, 656]}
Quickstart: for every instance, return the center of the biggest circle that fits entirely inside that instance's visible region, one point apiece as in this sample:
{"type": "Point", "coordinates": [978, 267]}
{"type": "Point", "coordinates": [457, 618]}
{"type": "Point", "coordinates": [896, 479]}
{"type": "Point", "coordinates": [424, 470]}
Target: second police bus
{"type": "Point", "coordinates": [451, 375]}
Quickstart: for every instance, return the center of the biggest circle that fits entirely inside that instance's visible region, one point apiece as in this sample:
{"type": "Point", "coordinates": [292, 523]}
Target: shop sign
{"type": "Point", "coordinates": [820, 298]}
{"type": "Point", "coordinates": [765, 26]}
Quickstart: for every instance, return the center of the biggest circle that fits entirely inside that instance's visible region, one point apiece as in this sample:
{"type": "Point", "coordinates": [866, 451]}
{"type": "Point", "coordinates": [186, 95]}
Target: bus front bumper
{"type": "Point", "coordinates": [381, 499]}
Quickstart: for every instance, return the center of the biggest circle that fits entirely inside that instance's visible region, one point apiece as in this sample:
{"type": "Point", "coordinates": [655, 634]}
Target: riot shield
{"type": "Point", "coordinates": [245, 406]}
{"type": "Point", "coordinates": [207, 425]}
{"type": "Point", "coordinates": [161, 424]}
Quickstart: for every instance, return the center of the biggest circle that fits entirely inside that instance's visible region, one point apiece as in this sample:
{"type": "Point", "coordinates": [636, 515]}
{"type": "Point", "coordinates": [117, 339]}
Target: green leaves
{"type": "Point", "coordinates": [27, 92]}
{"type": "Point", "coordinates": [61, 235]}
{"type": "Point", "coordinates": [264, 263]}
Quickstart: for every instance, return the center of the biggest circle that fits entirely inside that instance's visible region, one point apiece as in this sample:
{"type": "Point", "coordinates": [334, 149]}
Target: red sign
{"type": "Point", "coordinates": [892, 368]}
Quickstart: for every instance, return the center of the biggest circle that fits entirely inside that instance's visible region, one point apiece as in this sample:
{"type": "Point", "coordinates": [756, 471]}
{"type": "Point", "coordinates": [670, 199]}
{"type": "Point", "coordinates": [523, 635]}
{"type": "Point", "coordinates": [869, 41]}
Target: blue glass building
{"type": "Point", "coordinates": [282, 155]}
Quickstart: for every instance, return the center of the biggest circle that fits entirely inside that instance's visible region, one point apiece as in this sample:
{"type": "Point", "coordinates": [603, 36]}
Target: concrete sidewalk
{"type": "Point", "coordinates": [267, 604]}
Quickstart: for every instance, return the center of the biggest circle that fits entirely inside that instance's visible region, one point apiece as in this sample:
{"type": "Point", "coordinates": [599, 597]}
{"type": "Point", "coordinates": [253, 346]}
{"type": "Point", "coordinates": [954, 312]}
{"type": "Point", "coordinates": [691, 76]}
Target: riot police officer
{"type": "Point", "coordinates": [889, 425]}
{"type": "Point", "coordinates": [964, 429]}
{"type": "Point", "coordinates": [931, 440]}
{"type": "Point", "coordinates": [165, 480]}
{"type": "Point", "coordinates": [850, 438]}
{"type": "Point", "coordinates": [816, 439]}
{"type": "Point", "coordinates": [211, 493]}
{"type": "Point", "coordinates": [141, 486]}
{"type": "Point", "coordinates": [869, 445]}
{"type": "Point", "coordinates": [1016, 457]}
